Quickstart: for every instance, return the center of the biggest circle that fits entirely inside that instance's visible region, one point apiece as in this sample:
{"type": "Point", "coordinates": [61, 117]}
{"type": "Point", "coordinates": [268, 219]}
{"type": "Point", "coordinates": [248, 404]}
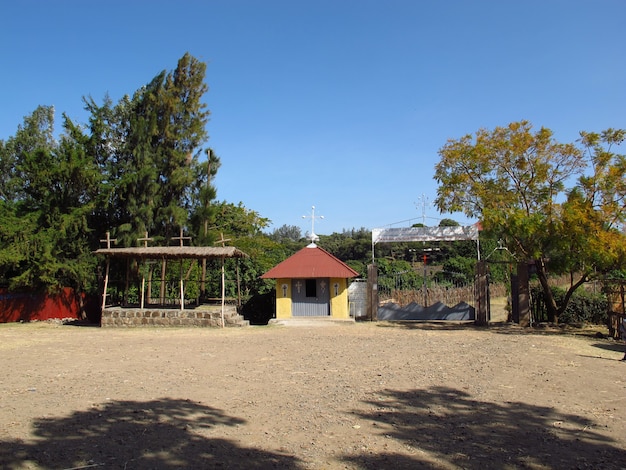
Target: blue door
{"type": "Point", "coordinates": [310, 298]}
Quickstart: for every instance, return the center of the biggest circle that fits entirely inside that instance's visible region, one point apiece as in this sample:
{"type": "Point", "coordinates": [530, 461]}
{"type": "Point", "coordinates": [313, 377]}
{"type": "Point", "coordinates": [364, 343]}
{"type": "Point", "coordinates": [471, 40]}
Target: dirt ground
{"type": "Point", "coordinates": [310, 396]}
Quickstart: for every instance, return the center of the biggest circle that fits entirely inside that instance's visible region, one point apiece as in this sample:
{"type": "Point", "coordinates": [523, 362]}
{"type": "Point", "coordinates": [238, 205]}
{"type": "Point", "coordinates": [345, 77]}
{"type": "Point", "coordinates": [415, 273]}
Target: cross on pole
{"type": "Point", "coordinates": [222, 240]}
{"type": "Point", "coordinates": [312, 235]}
{"type": "Point", "coordinates": [108, 240]}
{"type": "Point", "coordinates": [145, 239]}
{"type": "Point", "coordinates": [181, 238]}
{"type": "Point", "coordinates": [423, 201]}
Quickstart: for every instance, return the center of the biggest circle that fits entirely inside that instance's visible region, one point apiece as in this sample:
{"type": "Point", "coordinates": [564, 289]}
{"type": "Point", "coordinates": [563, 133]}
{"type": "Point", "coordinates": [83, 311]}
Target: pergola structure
{"type": "Point", "coordinates": [167, 253]}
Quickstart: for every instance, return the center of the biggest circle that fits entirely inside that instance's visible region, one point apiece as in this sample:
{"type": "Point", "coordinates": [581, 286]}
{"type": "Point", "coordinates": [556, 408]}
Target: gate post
{"type": "Point", "coordinates": [514, 298]}
{"type": "Point", "coordinates": [372, 292]}
{"type": "Point", "coordinates": [523, 295]}
{"type": "Point", "coordinates": [481, 294]}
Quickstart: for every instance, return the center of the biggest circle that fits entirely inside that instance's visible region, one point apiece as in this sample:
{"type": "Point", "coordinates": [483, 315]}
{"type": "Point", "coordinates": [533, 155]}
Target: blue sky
{"type": "Point", "coordinates": [340, 104]}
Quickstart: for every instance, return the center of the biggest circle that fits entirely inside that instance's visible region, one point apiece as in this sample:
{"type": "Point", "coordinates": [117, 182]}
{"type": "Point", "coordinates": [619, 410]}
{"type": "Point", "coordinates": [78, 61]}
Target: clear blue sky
{"type": "Point", "coordinates": [341, 104]}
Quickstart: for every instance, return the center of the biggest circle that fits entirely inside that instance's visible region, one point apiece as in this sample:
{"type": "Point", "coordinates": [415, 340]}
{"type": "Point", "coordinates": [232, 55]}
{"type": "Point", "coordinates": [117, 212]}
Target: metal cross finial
{"type": "Point", "coordinates": [312, 235]}
{"type": "Point", "coordinates": [423, 201]}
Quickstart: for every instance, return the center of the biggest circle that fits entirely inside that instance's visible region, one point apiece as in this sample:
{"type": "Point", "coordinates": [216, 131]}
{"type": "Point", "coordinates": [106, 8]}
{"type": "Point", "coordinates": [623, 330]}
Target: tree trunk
{"type": "Point", "coordinates": [554, 310]}
{"type": "Point", "coordinates": [551, 307]}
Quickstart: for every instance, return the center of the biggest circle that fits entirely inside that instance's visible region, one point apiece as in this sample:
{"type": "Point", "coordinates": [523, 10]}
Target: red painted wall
{"type": "Point", "coordinates": [30, 306]}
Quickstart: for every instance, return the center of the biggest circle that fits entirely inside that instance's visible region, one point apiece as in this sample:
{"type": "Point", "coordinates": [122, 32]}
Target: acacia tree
{"type": "Point", "coordinates": [515, 181]}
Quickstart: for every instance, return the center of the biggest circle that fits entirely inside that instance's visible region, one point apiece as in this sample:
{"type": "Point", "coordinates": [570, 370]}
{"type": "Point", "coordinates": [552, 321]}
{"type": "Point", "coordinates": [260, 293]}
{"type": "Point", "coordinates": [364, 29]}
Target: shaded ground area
{"type": "Point", "coordinates": [341, 395]}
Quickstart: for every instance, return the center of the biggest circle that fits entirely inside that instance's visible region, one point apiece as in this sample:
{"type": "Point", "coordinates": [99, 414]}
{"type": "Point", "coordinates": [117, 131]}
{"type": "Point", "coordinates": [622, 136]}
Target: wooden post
{"type": "Point", "coordinates": [150, 282]}
{"type": "Point", "coordinates": [481, 294]}
{"type": "Point", "coordinates": [182, 287]}
{"type": "Point", "coordinates": [209, 155]}
{"type": "Point", "coordinates": [145, 240]}
{"type": "Point", "coordinates": [127, 282]}
{"type": "Point", "coordinates": [182, 239]}
{"type": "Point", "coordinates": [106, 284]}
{"type": "Point", "coordinates": [238, 286]}
{"type": "Point", "coordinates": [162, 287]}
{"type": "Point", "coordinates": [108, 241]}
{"type": "Point", "coordinates": [514, 298]}
{"type": "Point", "coordinates": [523, 294]}
{"type": "Point", "coordinates": [372, 292]}
{"type": "Point", "coordinates": [223, 242]}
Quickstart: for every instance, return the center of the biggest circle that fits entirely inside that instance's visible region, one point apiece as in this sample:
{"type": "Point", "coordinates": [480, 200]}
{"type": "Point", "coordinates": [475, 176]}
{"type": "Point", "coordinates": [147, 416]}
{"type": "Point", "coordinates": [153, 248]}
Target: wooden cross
{"type": "Point", "coordinates": [181, 238]}
{"type": "Point", "coordinates": [145, 240]}
{"type": "Point", "coordinates": [108, 240]}
{"type": "Point", "coordinates": [222, 240]}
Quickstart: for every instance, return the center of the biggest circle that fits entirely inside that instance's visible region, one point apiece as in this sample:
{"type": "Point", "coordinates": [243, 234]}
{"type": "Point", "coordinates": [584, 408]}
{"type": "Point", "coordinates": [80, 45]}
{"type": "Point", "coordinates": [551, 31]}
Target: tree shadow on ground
{"type": "Point", "coordinates": [426, 325]}
{"type": "Point", "coordinates": [503, 328]}
{"type": "Point", "coordinates": [158, 434]}
{"type": "Point", "coordinates": [444, 427]}
{"type": "Point", "coordinates": [612, 346]}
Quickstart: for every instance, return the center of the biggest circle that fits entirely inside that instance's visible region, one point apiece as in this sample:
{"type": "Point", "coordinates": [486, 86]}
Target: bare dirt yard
{"type": "Point", "coordinates": [310, 396]}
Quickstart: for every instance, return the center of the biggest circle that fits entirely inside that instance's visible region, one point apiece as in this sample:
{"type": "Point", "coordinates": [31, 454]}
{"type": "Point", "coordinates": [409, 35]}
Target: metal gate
{"type": "Point", "coordinates": [311, 297]}
{"type": "Point", "coordinates": [402, 298]}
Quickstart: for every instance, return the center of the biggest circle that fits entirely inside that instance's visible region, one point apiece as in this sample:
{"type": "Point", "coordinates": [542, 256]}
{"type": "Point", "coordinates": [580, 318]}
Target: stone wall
{"type": "Point", "coordinates": [205, 316]}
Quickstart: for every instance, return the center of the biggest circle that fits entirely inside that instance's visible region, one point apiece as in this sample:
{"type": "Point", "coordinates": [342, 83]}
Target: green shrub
{"type": "Point", "coordinates": [583, 307]}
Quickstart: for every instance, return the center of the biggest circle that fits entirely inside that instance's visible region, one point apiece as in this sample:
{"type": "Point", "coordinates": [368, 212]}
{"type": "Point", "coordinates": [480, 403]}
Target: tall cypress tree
{"type": "Point", "coordinates": [182, 117]}
{"type": "Point", "coordinates": [148, 146]}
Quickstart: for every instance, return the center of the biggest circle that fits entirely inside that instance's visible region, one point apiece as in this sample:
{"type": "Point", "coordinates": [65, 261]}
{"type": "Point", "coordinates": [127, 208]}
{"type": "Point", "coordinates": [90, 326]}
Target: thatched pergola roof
{"type": "Point", "coordinates": [173, 252]}
{"type": "Point", "coordinates": [168, 253]}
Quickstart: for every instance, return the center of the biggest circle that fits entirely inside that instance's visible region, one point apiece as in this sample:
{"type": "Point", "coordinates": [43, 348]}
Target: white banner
{"type": "Point", "coordinates": [424, 234]}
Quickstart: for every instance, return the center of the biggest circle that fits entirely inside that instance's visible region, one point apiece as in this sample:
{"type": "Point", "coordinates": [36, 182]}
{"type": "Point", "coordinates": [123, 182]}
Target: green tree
{"type": "Point", "coordinates": [242, 227]}
{"type": "Point", "coordinates": [514, 180]}
{"type": "Point", "coordinates": [287, 233]}
{"type": "Point", "coordinates": [180, 132]}
{"type": "Point", "coordinates": [203, 211]}
{"type": "Point", "coordinates": [148, 147]}
{"type": "Point", "coordinates": [45, 242]}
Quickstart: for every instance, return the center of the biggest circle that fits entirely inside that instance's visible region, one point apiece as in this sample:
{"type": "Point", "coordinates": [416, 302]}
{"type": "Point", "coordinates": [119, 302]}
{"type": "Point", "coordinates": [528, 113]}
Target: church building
{"type": "Point", "coordinates": [311, 283]}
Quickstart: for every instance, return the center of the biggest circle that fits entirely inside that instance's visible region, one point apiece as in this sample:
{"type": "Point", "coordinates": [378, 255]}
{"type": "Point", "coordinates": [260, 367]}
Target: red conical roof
{"type": "Point", "coordinates": [310, 262]}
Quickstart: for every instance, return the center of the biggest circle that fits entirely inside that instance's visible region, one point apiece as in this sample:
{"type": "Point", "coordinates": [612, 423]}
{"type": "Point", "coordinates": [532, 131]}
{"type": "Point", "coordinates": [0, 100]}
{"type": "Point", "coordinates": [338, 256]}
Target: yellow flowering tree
{"type": "Point", "coordinates": [562, 206]}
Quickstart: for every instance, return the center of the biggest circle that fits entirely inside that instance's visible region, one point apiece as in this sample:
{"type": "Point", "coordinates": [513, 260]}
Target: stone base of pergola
{"type": "Point", "coordinates": [202, 316]}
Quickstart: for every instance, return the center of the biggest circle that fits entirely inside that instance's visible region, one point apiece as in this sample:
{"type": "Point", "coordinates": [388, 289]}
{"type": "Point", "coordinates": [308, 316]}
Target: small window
{"type": "Point", "coordinates": [311, 288]}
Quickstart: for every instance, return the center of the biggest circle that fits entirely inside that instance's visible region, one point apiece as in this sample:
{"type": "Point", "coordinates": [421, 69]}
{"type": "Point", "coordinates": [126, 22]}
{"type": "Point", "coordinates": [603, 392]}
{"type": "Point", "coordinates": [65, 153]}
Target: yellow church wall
{"type": "Point", "coordinates": [339, 307]}
{"type": "Point", "coordinates": [283, 298]}
{"type": "Point", "coordinates": [339, 301]}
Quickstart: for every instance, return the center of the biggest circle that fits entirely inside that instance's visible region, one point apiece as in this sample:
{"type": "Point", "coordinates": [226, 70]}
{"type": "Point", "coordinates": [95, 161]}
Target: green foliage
{"type": "Point", "coordinates": [46, 240]}
{"type": "Point", "coordinates": [138, 166]}
{"type": "Point", "coordinates": [457, 271]}
{"type": "Point", "coordinates": [514, 180]}
{"type": "Point", "coordinates": [203, 211]}
{"type": "Point", "coordinates": [583, 307]}
{"type": "Point", "coordinates": [397, 274]}
{"type": "Point", "coordinates": [286, 233]}
{"type": "Point", "coordinates": [133, 169]}
{"type": "Point", "coordinates": [351, 246]}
